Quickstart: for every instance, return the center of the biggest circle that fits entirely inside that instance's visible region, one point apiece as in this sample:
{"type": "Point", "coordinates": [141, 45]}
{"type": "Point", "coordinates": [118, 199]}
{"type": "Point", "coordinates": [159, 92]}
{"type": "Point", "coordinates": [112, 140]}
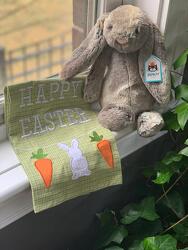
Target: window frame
{"type": "Point", "coordinates": [17, 195]}
{"type": "Point", "coordinates": [95, 9]}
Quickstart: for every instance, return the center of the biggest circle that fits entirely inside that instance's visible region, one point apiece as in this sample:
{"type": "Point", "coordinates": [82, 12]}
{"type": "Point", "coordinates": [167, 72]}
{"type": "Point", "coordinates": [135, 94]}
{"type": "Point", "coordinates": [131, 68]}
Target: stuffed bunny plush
{"type": "Point", "coordinates": [117, 49]}
{"type": "Point", "coordinates": [79, 165]}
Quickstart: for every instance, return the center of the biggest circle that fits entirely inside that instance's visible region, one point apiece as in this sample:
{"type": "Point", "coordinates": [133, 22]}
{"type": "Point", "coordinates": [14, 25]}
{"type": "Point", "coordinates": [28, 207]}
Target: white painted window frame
{"type": "Point", "coordinates": [158, 12]}
{"type": "Point", "coordinates": [15, 193]}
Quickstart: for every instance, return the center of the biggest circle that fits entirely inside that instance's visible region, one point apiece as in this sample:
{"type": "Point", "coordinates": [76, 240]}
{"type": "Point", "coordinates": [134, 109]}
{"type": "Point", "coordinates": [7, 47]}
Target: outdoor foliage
{"type": "Point", "coordinates": [159, 221]}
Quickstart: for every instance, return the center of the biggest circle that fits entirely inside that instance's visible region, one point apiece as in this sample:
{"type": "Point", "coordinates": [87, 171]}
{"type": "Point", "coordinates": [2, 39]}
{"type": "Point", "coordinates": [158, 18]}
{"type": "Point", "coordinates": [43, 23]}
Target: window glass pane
{"type": "Point", "coordinates": [35, 37]}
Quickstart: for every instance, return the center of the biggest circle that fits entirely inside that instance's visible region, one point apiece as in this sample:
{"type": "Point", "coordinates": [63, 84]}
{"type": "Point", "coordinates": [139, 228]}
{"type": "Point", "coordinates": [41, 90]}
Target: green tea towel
{"type": "Point", "coordinates": [59, 142]}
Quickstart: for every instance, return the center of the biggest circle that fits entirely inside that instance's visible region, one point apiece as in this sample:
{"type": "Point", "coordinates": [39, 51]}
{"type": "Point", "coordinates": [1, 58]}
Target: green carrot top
{"type": "Point", "coordinates": [96, 137]}
{"type": "Point", "coordinates": [39, 155]}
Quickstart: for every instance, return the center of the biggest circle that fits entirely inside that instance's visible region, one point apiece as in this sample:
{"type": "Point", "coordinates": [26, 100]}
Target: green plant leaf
{"type": "Point", "coordinates": [164, 242]}
{"type": "Point", "coordinates": [174, 201]}
{"type": "Point", "coordinates": [137, 245]}
{"type": "Point", "coordinates": [163, 176]}
{"type": "Point", "coordinates": [148, 172]}
{"type": "Point", "coordinates": [181, 92]}
{"type": "Point", "coordinates": [181, 60]}
{"type": "Point", "coordinates": [181, 231]}
{"type": "Point", "coordinates": [148, 209]}
{"type": "Point", "coordinates": [104, 237]}
{"type": "Point", "coordinates": [186, 142]}
{"type": "Point", "coordinates": [119, 234]}
{"type": "Point", "coordinates": [171, 121]}
{"type": "Point", "coordinates": [184, 151]}
{"type": "Point", "coordinates": [182, 114]}
{"type": "Point", "coordinates": [130, 213]}
{"type": "Point", "coordinates": [151, 228]}
{"type": "Point", "coordinates": [171, 157]}
{"type": "Point", "coordinates": [110, 234]}
{"type": "Point", "coordinates": [110, 230]}
{"type": "Point", "coordinates": [145, 210]}
{"type": "Point", "coordinates": [114, 248]}
{"type": "Point", "coordinates": [107, 218]}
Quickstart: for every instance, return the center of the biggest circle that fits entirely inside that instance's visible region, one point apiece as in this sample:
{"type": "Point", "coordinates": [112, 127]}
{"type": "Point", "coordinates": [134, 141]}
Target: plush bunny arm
{"type": "Point", "coordinates": [95, 78]}
{"type": "Point", "coordinates": [155, 45]}
{"type": "Point", "coordinates": [87, 52]}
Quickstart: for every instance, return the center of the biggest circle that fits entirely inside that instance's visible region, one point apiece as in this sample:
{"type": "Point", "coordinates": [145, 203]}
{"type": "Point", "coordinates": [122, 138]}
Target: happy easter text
{"type": "Point", "coordinates": [42, 123]}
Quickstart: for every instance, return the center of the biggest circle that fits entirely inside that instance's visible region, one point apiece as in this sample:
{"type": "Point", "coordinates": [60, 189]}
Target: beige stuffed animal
{"type": "Point", "coordinates": [118, 47]}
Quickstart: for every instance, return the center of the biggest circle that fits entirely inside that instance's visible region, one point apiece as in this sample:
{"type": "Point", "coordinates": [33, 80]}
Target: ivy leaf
{"type": "Point", "coordinates": [110, 230]}
{"type": "Point", "coordinates": [107, 218]}
{"type": "Point", "coordinates": [105, 236]}
{"type": "Point", "coordinates": [181, 60]}
{"type": "Point", "coordinates": [174, 201]}
{"type": "Point", "coordinates": [171, 157]}
{"type": "Point", "coordinates": [114, 248]}
{"type": "Point", "coordinates": [171, 121]}
{"type": "Point", "coordinates": [165, 242]}
{"type": "Point", "coordinates": [119, 234]}
{"type": "Point", "coordinates": [148, 209]}
{"type": "Point", "coordinates": [151, 228]}
{"type": "Point", "coordinates": [163, 176]}
{"type": "Point", "coordinates": [181, 92]}
{"type": "Point", "coordinates": [184, 151]}
{"type": "Point", "coordinates": [181, 231]}
{"type": "Point", "coordinates": [170, 164]}
{"type": "Point", "coordinates": [182, 114]}
{"type": "Point", "coordinates": [130, 213]}
{"type": "Point", "coordinates": [137, 245]}
{"type": "Point", "coordinates": [149, 171]}
{"type": "Point", "coordinates": [186, 142]}
{"type": "Point", "coordinates": [145, 210]}
{"type": "Point", "coordinates": [114, 234]}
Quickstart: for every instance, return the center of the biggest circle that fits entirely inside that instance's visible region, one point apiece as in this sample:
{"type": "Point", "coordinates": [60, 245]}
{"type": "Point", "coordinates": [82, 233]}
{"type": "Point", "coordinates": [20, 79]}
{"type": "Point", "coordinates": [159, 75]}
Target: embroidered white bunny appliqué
{"type": "Point", "coordinates": [78, 163]}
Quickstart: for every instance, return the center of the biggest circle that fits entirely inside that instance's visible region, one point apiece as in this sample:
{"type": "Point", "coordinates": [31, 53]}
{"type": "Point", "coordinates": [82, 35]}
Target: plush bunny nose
{"type": "Point", "coordinates": [122, 40]}
{"type": "Point", "coordinates": [120, 34]}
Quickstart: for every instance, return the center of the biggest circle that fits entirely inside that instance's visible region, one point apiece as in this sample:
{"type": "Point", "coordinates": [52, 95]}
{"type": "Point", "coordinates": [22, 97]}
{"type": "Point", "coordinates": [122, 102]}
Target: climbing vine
{"type": "Point", "coordinates": [159, 221]}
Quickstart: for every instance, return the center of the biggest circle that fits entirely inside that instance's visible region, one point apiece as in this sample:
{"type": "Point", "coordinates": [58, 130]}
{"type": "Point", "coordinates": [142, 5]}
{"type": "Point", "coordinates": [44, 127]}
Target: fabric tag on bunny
{"type": "Point", "coordinates": [153, 70]}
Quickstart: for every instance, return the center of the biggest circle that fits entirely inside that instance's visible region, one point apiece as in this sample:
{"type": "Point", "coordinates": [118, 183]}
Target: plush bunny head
{"type": "Point", "coordinates": [126, 29]}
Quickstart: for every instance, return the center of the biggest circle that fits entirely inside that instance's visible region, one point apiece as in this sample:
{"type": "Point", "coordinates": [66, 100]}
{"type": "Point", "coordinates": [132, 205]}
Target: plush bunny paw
{"type": "Point", "coordinates": [149, 124]}
{"type": "Point", "coordinates": [115, 117]}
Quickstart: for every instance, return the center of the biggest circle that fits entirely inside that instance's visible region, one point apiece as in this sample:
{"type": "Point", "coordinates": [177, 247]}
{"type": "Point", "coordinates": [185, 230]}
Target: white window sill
{"type": "Point", "coordinates": [15, 192]}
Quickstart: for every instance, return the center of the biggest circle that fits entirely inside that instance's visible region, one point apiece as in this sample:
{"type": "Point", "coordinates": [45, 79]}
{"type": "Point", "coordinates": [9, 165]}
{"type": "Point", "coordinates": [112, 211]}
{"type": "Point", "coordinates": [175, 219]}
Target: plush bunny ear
{"type": "Point", "coordinates": [155, 46]}
{"type": "Point", "coordinates": [87, 52]}
{"type": "Point", "coordinates": [74, 143]}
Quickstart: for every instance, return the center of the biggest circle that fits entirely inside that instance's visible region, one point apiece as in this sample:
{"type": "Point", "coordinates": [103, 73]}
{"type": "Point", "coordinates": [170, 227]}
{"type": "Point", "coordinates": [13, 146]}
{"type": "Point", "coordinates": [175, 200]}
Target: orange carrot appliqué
{"type": "Point", "coordinates": [44, 166]}
{"type": "Point", "coordinates": [104, 147]}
